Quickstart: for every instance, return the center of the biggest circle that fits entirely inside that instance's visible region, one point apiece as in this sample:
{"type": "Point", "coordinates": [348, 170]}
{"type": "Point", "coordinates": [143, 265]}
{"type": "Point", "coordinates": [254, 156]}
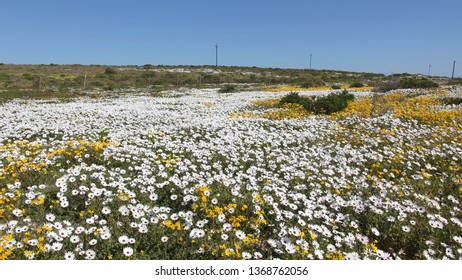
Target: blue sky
{"type": "Point", "coordinates": [391, 36]}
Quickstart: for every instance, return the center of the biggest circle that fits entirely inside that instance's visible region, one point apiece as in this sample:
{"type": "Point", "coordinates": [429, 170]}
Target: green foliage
{"type": "Point", "coordinates": [417, 83]}
{"type": "Point", "coordinates": [334, 102]}
{"type": "Point", "coordinates": [399, 82]}
{"type": "Point", "coordinates": [356, 84]}
{"type": "Point", "coordinates": [228, 88]}
{"type": "Point", "coordinates": [292, 97]}
{"type": "Point", "coordinates": [312, 81]}
{"type": "Point", "coordinates": [335, 86]}
{"type": "Point", "coordinates": [109, 71]}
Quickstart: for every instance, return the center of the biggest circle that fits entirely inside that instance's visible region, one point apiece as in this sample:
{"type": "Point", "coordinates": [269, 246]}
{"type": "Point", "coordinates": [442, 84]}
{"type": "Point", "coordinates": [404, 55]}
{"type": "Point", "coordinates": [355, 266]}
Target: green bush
{"type": "Point", "coordinates": [417, 83]}
{"type": "Point", "coordinates": [335, 87]}
{"type": "Point", "coordinates": [356, 84]}
{"type": "Point", "coordinates": [228, 88]}
{"type": "Point", "coordinates": [312, 82]}
{"type": "Point", "coordinates": [109, 71]}
{"type": "Point", "coordinates": [395, 82]}
{"type": "Point", "coordinates": [292, 97]}
{"type": "Point", "coordinates": [334, 102]}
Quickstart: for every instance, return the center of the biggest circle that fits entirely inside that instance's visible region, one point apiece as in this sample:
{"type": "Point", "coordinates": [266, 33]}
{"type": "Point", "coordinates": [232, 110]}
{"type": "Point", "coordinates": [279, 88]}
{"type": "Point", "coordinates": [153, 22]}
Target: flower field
{"type": "Point", "coordinates": [202, 175]}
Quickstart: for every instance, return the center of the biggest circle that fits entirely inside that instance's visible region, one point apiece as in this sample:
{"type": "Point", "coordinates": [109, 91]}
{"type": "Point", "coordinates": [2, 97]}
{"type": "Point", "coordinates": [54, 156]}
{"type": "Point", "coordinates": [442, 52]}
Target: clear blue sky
{"type": "Point", "coordinates": [388, 36]}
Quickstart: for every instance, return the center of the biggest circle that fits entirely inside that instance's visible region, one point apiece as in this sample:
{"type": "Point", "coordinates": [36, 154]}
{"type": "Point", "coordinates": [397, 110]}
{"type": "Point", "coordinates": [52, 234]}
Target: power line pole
{"type": "Point", "coordinates": [216, 55]}
{"type": "Point", "coordinates": [453, 68]}
{"type": "Point", "coordinates": [429, 68]}
{"type": "Point", "coordinates": [310, 60]}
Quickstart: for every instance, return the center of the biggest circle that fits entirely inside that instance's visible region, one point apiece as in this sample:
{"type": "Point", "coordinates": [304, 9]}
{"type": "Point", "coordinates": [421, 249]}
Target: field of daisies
{"type": "Point", "coordinates": [197, 174]}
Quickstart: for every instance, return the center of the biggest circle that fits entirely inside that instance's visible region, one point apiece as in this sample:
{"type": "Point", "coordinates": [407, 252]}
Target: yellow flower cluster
{"type": "Point", "coordinates": [171, 225]}
{"type": "Point", "coordinates": [426, 109]}
{"type": "Point", "coordinates": [266, 103]}
{"type": "Point", "coordinates": [25, 156]}
{"type": "Point", "coordinates": [284, 89]}
{"type": "Point", "coordinates": [286, 111]}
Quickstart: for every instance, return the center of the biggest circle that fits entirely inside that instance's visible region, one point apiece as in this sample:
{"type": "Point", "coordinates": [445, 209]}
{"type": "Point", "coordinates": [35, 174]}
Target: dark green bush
{"type": "Point", "coordinates": [395, 82]}
{"type": "Point", "coordinates": [334, 102]}
{"type": "Point", "coordinates": [109, 71]}
{"type": "Point", "coordinates": [356, 84]}
{"type": "Point", "coordinates": [292, 97]}
{"type": "Point", "coordinates": [335, 87]}
{"type": "Point", "coordinates": [312, 82]}
{"type": "Point", "coordinates": [417, 83]}
{"type": "Point", "coordinates": [228, 88]}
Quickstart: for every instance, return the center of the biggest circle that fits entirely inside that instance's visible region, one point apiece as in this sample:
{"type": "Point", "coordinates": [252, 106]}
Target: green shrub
{"type": "Point", "coordinates": [292, 97]}
{"type": "Point", "coordinates": [312, 82]}
{"type": "Point", "coordinates": [334, 102]}
{"type": "Point", "coordinates": [417, 83]}
{"type": "Point", "coordinates": [335, 87]}
{"type": "Point", "coordinates": [356, 84]}
{"type": "Point", "coordinates": [109, 71]}
{"type": "Point", "coordinates": [395, 82]}
{"type": "Point", "coordinates": [228, 88]}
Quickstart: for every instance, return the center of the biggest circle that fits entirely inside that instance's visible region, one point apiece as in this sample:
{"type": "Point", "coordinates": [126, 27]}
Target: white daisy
{"type": "Point", "coordinates": [69, 256]}
{"type": "Point", "coordinates": [74, 239]}
{"type": "Point", "coordinates": [56, 246]}
{"type": "Point", "coordinates": [50, 217]}
{"type": "Point", "coordinates": [123, 239]}
{"type": "Point", "coordinates": [128, 251]}
{"type": "Point", "coordinates": [90, 254]}
{"type": "Point", "coordinates": [240, 234]}
{"type": "Point", "coordinates": [246, 255]}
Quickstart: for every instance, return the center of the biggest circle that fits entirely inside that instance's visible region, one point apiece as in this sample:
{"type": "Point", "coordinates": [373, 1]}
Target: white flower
{"type": "Point", "coordinates": [224, 236]}
{"type": "Point", "coordinates": [56, 246]}
{"type": "Point", "coordinates": [123, 239]}
{"type": "Point", "coordinates": [74, 239]}
{"type": "Point", "coordinates": [69, 256]}
{"type": "Point", "coordinates": [406, 228]}
{"type": "Point", "coordinates": [32, 242]}
{"type": "Point", "coordinates": [331, 248]}
{"type": "Point", "coordinates": [50, 217]}
{"type": "Point", "coordinates": [246, 255]}
{"type": "Point", "coordinates": [227, 227]}
{"type": "Point", "coordinates": [290, 248]}
{"type": "Point", "coordinates": [106, 210]}
{"type": "Point", "coordinates": [257, 255]}
{"type": "Point", "coordinates": [221, 218]}
{"type": "Point", "coordinates": [196, 233]}
{"type": "Point", "coordinates": [458, 239]}
{"type": "Point", "coordinates": [128, 251]}
{"type": "Point", "coordinates": [375, 231]}
{"type": "Point", "coordinates": [17, 212]}
{"type": "Point", "coordinates": [164, 239]}
{"type": "Point", "coordinates": [240, 234]}
{"type": "Point", "coordinates": [90, 254]}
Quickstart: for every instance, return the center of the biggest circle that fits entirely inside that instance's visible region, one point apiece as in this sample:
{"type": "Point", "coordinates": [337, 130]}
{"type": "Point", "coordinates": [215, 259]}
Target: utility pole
{"type": "Point", "coordinates": [310, 60]}
{"type": "Point", "coordinates": [85, 81]}
{"type": "Point", "coordinates": [216, 55]}
{"type": "Point", "coordinates": [429, 68]}
{"type": "Point", "coordinates": [453, 68]}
